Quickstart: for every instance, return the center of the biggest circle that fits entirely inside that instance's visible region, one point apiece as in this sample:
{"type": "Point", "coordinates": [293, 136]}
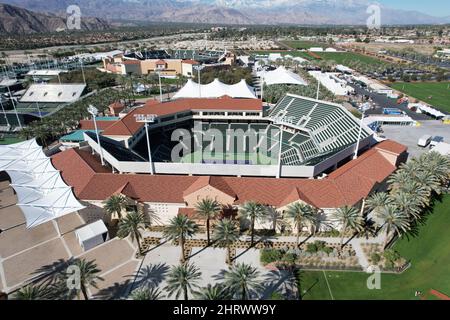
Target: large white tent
{"type": "Point", "coordinates": [281, 76]}
{"type": "Point", "coordinates": [41, 192]}
{"type": "Point", "coordinates": [216, 89]}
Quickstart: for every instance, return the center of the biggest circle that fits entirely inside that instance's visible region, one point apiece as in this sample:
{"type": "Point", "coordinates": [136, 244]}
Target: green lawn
{"type": "Point", "coordinates": [302, 54]}
{"type": "Point", "coordinates": [429, 253]}
{"type": "Point", "coordinates": [346, 57]}
{"type": "Point", "coordinates": [436, 94]}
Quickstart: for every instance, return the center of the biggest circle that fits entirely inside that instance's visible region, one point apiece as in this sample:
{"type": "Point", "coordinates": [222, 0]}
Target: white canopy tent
{"type": "Point", "coordinates": [216, 89]}
{"type": "Point", "coordinates": [41, 192]}
{"type": "Point", "coordinates": [281, 76]}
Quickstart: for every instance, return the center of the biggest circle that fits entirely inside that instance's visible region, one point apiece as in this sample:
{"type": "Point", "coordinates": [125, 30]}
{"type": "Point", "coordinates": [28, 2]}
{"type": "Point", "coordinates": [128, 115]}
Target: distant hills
{"type": "Point", "coordinates": [304, 12]}
{"type": "Point", "coordinates": [15, 20]}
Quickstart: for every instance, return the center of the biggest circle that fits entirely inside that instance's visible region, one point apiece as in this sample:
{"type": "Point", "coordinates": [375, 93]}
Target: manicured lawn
{"type": "Point", "coordinates": [436, 94]}
{"type": "Point", "coordinates": [302, 54]}
{"type": "Point", "coordinates": [429, 253]}
{"type": "Point", "coordinates": [346, 57]}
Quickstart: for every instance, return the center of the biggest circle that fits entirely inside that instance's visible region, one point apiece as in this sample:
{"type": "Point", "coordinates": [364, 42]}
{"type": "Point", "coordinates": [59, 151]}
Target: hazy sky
{"type": "Point", "coordinates": [439, 8]}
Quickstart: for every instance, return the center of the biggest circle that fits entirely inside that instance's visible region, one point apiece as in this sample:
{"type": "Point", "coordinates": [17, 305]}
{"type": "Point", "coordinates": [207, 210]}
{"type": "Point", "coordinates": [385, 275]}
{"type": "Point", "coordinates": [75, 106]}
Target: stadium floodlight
{"type": "Point", "coordinates": [94, 112]}
{"type": "Point", "coordinates": [359, 134]}
{"type": "Point", "coordinates": [146, 119]}
{"type": "Point", "coordinates": [199, 68]}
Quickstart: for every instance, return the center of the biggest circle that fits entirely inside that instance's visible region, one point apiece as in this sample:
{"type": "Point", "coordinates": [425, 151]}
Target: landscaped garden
{"type": "Point", "coordinates": [436, 94]}
{"type": "Point", "coordinates": [428, 252]}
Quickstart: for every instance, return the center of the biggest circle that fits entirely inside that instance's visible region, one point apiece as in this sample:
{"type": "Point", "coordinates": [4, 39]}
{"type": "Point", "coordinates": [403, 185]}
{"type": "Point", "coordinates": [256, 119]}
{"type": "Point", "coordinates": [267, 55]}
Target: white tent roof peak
{"type": "Point", "coordinates": [216, 89]}
{"type": "Point", "coordinates": [282, 76]}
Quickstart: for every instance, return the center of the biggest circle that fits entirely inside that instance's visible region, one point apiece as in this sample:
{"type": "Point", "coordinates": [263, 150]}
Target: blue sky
{"type": "Point", "coordinates": [439, 8]}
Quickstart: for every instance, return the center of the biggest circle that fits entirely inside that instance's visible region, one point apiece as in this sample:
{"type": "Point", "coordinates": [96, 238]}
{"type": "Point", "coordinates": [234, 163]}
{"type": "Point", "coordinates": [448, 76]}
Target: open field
{"type": "Point", "coordinates": [375, 47]}
{"type": "Point", "coordinates": [428, 253]}
{"type": "Point", "coordinates": [346, 57]}
{"type": "Point", "coordinates": [436, 94]}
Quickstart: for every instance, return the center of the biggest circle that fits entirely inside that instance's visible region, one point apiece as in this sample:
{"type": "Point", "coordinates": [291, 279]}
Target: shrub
{"type": "Point", "coordinates": [391, 255]}
{"type": "Point", "coordinates": [320, 244]}
{"type": "Point", "coordinates": [327, 250]}
{"type": "Point", "coordinates": [270, 255]}
{"type": "Point", "coordinates": [375, 257]}
{"type": "Point", "coordinates": [311, 248]}
{"type": "Point", "coordinates": [290, 258]}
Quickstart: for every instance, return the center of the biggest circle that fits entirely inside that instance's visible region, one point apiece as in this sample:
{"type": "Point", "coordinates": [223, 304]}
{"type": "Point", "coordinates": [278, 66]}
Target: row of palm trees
{"type": "Point", "coordinates": [241, 281]}
{"type": "Point", "coordinates": [412, 189]}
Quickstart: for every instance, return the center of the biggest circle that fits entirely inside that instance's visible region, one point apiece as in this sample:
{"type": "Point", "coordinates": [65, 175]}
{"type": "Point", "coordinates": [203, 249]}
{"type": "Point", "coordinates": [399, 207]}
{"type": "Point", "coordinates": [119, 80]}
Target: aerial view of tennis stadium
{"type": "Point", "coordinates": [262, 152]}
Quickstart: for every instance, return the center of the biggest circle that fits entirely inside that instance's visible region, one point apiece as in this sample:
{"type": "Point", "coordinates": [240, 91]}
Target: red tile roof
{"type": "Point", "coordinates": [117, 106]}
{"type": "Point", "coordinates": [101, 125]}
{"type": "Point", "coordinates": [127, 126]}
{"type": "Point", "coordinates": [345, 186]}
{"type": "Point", "coordinates": [391, 146]}
{"type": "Point", "coordinates": [193, 62]}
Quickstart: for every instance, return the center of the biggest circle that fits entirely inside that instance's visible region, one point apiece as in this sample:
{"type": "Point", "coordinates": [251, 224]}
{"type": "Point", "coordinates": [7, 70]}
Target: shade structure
{"type": "Point", "coordinates": [216, 89]}
{"type": "Point", "coordinates": [41, 192]}
{"type": "Point", "coordinates": [281, 76]}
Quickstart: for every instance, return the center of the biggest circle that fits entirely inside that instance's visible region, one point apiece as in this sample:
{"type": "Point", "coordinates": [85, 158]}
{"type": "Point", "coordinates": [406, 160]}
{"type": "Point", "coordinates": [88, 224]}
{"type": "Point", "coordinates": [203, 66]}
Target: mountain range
{"type": "Point", "coordinates": [20, 21]}
{"type": "Point", "coordinates": [301, 12]}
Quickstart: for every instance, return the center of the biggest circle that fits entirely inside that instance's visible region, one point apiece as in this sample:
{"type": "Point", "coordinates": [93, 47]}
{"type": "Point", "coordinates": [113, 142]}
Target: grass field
{"type": "Point", "coordinates": [345, 57]}
{"type": "Point", "coordinates": [436, 94]}
{"type": "Point", "coordinates": [10, 140]}
{"type": "Point", "coordinates": [429, 256]}
{"type": "Point", "coordinates": [302, 54]}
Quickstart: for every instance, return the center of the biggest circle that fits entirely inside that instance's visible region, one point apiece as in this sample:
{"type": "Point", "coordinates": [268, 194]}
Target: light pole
{"type": "Point", "coordinates": [94, 111]}
{"type": "Point", "coordinates": [199, 68]}
{"type": "Point", "coordinates": [146, 119]}
{"type": "Point", "coordinates": [359, 134]}
{"type": "Point", "coordinates": [262, 87]}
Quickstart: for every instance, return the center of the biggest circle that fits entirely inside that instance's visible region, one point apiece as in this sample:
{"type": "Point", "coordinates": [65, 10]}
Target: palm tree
{"type": "Point", "coordinates": [146, 294]}
{"type": "Point", "coordinates": [377, 201]}
{"type": "Point", "coordinates": [179, 229]}
{"type": "Point", "coordinates": [115, 204]}
{"type": "Point", "coordinates": [132, 225]}
{"type": "Point", "coordinates": [253, 211]}
{"type": "Point", "coordinates": [226, 233]}
{"type": "Point", "coordinates": [349, 218]}
{"type": "Point", "coordinates": [32, 292]}
{"type": "Point", "coordinates": [89, 275]}
{"type": "Point", "coordinates": [302, 215]}
{"type": "Point", "coordinates": [407, 203]}
{"type": "Point", "coordinates": [393, 222]}
{"type": "Point", "coordinates": [213, 292]}
{"type": "Point", "coordinates": [242, 278]}
{"type": "Point", "coordinates": [182, 280]}
{"type": "Point", "coordinates": [208, 209]}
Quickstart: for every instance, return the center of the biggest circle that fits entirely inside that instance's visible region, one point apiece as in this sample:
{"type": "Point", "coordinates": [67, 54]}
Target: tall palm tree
{"type": "Point", "coordinates": [394, 222]}
{"type": "Point", "coordinates": [302, 215]}
{"type": "Point", "coordinates": [253, 211]}
{"type": "Point", "coordinates": [132, 225]}
{"type": "Point", "coordinates": [146, 294]}
{"type": "Point", "coordinates": [33, 292]}
{"type": "Point", "coordinates": [242, 278]}
{"type": "Point", "coordinates": [182, 280]}
{"type": "Point", "coordinates": [407, 203]}
{"type": "Point", "coordinates": [89, 275]}
{"type": "Point", "coordinates": [349, 218]}
{"type": "Point", "coordinates": [226, 233]}
{"type": "Point", "coordinates": [179, 229]}
{"type": "Point", "coordinates": [213, 292]}
{"type": "Point", "coordinates": [377, 201]}
{"type": "Point", "coordinates": [208, 209]}
{"type": "Point", "coordinates": [115, 204]}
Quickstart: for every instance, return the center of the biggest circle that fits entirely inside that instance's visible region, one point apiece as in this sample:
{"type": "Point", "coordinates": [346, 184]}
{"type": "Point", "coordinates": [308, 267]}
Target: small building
{"type": "Point", "coordinates": [92, 235]}
{"type": "Point", "coordinates": [187, 67]}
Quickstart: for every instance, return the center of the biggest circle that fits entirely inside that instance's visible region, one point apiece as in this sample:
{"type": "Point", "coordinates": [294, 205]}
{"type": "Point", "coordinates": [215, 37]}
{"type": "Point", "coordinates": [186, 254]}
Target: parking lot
{"type": "Point", "coordinates": [409, 136]}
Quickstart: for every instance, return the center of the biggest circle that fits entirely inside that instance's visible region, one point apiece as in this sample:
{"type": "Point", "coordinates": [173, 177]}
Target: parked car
{"type": "Point", "coordinates": [424, 141]}
{"type": "Point", "coordinates": [435, 141]}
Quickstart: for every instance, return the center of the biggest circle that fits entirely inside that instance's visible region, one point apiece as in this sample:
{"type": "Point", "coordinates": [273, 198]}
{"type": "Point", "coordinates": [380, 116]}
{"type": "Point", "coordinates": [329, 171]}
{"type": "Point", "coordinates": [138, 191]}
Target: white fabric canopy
{"type": "Point", "coordinates": [41, 192]}
{"type": "Point", "coordinates": [215, 89]}
{"type": "Point", "coordinates": [281, 76]}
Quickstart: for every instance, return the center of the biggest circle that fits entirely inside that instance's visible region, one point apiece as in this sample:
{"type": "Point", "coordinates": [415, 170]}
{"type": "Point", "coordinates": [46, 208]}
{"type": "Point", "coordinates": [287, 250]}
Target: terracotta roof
{"type": "Point", "coordinates": [127, 126]}
{"type": "Point", "coordinates": [117, 106]}
{"type": "Point", "coordinates": [391, 146]}
{"type": "Point", "coordinates": [101, 125]}
{"type": "Point", "coordinates": [193, 62]}
{"type": "Point", "coordinates": [345, 186]}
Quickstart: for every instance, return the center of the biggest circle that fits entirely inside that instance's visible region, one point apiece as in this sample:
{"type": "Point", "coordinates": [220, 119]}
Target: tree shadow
{"type": "Point", "coordinates": [282, 281]}
{"type": "Point", "coordinates": [115, 292]}
{"type": "Point", "coordinates": [151, 276]}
